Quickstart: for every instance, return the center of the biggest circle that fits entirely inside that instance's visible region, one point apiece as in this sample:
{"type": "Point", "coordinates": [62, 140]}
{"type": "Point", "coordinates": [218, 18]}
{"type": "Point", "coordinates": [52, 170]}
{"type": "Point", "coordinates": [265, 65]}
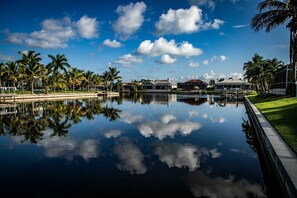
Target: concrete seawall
{"type": "Point", "coordinates": [282, 159]}
{"type": "Point", "coordinates": [43, 97]}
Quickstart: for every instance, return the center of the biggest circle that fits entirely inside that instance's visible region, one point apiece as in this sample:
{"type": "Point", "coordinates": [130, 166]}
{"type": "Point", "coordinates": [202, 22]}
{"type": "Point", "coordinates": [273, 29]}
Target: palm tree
{"type": "Point", "coordinates": [274, 13]}
{"type": "Point", "coordinates": [75, 77]}
{"type": "Point", "coordinates": [252, 71]}
{"type": "Point", "coordinates": [261, 72]}
{"type": "Point", "coordinates": [271, 67]}
{"type": "Point", "coordinates": [12, 72]}
{"type": "Point", "coordinates": [58, 63]}
{"type": "Point", "coordinates": [106, 79]}
{"type": "Point", "coordinates": [33, 69]}
{"type": "Point", "coordinates": [3, 72]}
{"type": "Point", "coordinates": [113, 75]}
{"type": "Point", "coordinates": [88, 78]}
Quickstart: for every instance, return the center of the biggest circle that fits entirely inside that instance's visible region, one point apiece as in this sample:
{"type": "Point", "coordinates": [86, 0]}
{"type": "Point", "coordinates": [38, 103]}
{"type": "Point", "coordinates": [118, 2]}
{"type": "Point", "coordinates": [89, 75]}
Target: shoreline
{"type": "Point", "coordinates": [60, 96]}
{"type": "Point", "coordinates": [279, 154]}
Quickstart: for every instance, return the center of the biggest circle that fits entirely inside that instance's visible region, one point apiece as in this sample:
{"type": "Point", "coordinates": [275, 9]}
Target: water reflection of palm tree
{"type": "Point", "coordinates": [75, 111]}
{"type": "Point", "coordinates": [13, 125]}
{"type": "Point", "coordinates": [58, 120]}
{"type": "Point", "coordinates": [93, 107]}
{"type": "Point", "coordinates": [60, 128]}
{"type": "Point", "coordinates": [33, 130]}
{"type": "Point", "coordinates": [249, 134]}
{"type": "Point", "coordinates": [111, 113]}
{"type": "Point", "coordinates": [3, 127]}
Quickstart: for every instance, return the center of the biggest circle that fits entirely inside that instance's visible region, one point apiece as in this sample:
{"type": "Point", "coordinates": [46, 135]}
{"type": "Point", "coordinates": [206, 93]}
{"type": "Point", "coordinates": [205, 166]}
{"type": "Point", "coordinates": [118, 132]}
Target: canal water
{"type": "Point", "coordinates": [150, 145]}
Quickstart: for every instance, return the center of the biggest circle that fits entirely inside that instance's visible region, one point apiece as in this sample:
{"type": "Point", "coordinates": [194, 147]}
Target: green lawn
{"type": "Point", "coordinates": [282, 114]}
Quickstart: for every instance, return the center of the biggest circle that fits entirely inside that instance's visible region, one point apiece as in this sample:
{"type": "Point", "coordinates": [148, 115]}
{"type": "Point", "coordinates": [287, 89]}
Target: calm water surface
{"type": "Point", "coordinates": [147, 146]}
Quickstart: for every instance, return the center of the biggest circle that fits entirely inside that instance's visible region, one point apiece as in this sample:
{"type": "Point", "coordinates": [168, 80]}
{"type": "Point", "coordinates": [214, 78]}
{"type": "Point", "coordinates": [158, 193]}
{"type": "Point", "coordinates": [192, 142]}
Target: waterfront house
{"type": "Point", "coordinates": [281, 81]}
{"type": "Point", "coordinates": [194, 84]}
{"type": "Point", "coordinates": [232, 84]}
{"type": "Point", "coordinates": [157, 86]}
{"type": "Point", "coordinates": [130, 86]}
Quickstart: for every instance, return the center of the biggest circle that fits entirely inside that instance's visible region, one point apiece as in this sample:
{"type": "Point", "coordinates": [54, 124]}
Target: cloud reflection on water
{"type": "Point", "coordinates": [202, 185]}
{"type": "Point", "coordinates": [67, 148]}
{"type": "Point", "coordinates": [131, 157]}
{"type": "Point", "coordinates": [183, 155]}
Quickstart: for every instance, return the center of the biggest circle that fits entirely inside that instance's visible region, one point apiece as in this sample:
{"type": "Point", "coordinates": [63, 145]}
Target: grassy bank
{"type": "Point", "coordinates": [281, 112]}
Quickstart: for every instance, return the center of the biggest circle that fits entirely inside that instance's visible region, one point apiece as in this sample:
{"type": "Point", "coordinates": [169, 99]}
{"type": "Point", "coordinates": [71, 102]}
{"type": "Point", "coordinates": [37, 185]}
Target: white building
{"type": "Point", "coordinates": [233, 84]}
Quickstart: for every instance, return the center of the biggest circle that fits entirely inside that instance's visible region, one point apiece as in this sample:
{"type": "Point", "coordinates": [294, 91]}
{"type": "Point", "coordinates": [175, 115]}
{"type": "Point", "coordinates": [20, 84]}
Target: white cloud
{"type": "Point", "coordinates": [88, 149]}
{"type": "Point", "coordinates": [216, 24]}
{"type": "Point", "coordinates": [55, 33]}
{"type": "Point", "coordinates": [213, 75]}
{"type": "Point", "coordinates": [205, 62]}
{"type": "Point", "coordinates": [127, 60]}
{"type": "Point", "coordinates": [129, 118]}
{"type": "Point", "coordinates": [112, 44]}
{"type": "Point", "coordinates": [183, 155]}
{"type": "Point", "coordinates": [184, 21]}
{"type": "Point", "coordinates": [162, 46]}
{"type": "Point", "coordinates": [87, 27]}
{"type": "Point", "coordinates": [130, 19]}
{"type": "Point", "coordinates": [112, 134]}
{"type": "Point", "coordinates": [64, 147]}
{"type": "Point", "coordinates": [131, 158]}
{"type": "Point", "coordinates": [203, 185]}
{"type": "Point", "coordinates": [211, 4]}
{"type": "Point", "coordinates": [161, 130]}
{"type": "Point", "coordinates": [180, 156]}
{"type": "Point", "coordinates": [240, 26]}
{"type": "Point", "coordinates": [179, 21]}
{"type": "Point", "coordinates": [166, 118]}
{"type": "Point", "coordinates": [222, 58]}
{"type": "Point", "coordinates": [193, 64]}
{"type": "Point", "coordinates": [15, 38]}
{"type": "Point", "coordinates": [165, 59]}
{"type": "Point", "coordinates": [5, 57]}
{"type": "Point", "coordinates": [208, 3]}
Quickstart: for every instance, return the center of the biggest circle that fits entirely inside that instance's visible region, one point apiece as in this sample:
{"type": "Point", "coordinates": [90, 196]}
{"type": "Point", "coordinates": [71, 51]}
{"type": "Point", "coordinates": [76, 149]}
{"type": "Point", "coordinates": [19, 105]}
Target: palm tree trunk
{"type": "Point", "coordinates": [293, 58]}
{"type": "Point", "coordinates": [32, 86]}
{"type": "Point", "coordinates": [73, 88]}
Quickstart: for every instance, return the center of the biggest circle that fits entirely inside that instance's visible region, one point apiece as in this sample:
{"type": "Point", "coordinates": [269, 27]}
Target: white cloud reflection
{"type": "Point", "coordinates": [183, 155]}
{"type": "Point", "coordinates": [129, 118]}
{"type": "Point", "coordinates": [131, 157]}
{"type": "Point", "coordinates": [202, 185]}
{"type": "Point", "coordinates": [112, 134]}
{"type": "Point", "coordinates": [64, 147]}
{"type": "Point", "coordinates": [160, 130]}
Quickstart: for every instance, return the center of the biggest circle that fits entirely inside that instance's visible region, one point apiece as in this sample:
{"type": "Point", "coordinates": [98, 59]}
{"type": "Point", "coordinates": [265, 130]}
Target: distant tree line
{"type": "Point", "coordinates": [29, 74]}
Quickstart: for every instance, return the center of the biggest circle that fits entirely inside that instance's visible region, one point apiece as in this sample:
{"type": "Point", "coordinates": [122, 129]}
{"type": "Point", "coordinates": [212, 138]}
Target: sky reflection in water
{"type": "Point", "coordinates": [145, 145]}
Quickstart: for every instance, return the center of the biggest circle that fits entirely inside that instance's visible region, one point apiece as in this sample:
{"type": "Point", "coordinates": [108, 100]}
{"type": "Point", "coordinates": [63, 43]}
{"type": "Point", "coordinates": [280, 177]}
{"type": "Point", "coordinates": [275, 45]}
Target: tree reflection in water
{"type": "Point", "coordinates": [32, 119]}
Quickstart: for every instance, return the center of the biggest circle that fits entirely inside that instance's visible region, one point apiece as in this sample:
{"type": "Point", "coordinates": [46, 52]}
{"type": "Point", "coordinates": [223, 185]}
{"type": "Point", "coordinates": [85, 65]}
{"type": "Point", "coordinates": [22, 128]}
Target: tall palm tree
{"type": "Point", "coordinates": [274, 13]}
{"type": "Point", "coordinates": [75, 77]}
{"type": "Point", "coordinates": [271, 67]}
{"type": "Point", "coordinates": [12, 72]}
{"type": "Point", "coordinates": [3, 72]}
{"type": "Point", "coordinates": [33, 68]}
{"type": "Point", "coordinates": [88, 78]}
{"type": "Point", "coordinates": [261, 72]}
{"type": "Point", "coordinates": [58, 64]}
{"type": "Point", "coordinates": [113, 75]}
{"type": "Point", "coordinates": [106, 79]}
{"type": "Point", "coordinates": [252, 71]}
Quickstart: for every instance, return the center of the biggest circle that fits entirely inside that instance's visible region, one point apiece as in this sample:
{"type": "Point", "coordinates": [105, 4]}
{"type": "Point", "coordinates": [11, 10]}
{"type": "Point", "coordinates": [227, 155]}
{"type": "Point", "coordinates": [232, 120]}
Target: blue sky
{"type": "Point", "coordinates": [176, 39]}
